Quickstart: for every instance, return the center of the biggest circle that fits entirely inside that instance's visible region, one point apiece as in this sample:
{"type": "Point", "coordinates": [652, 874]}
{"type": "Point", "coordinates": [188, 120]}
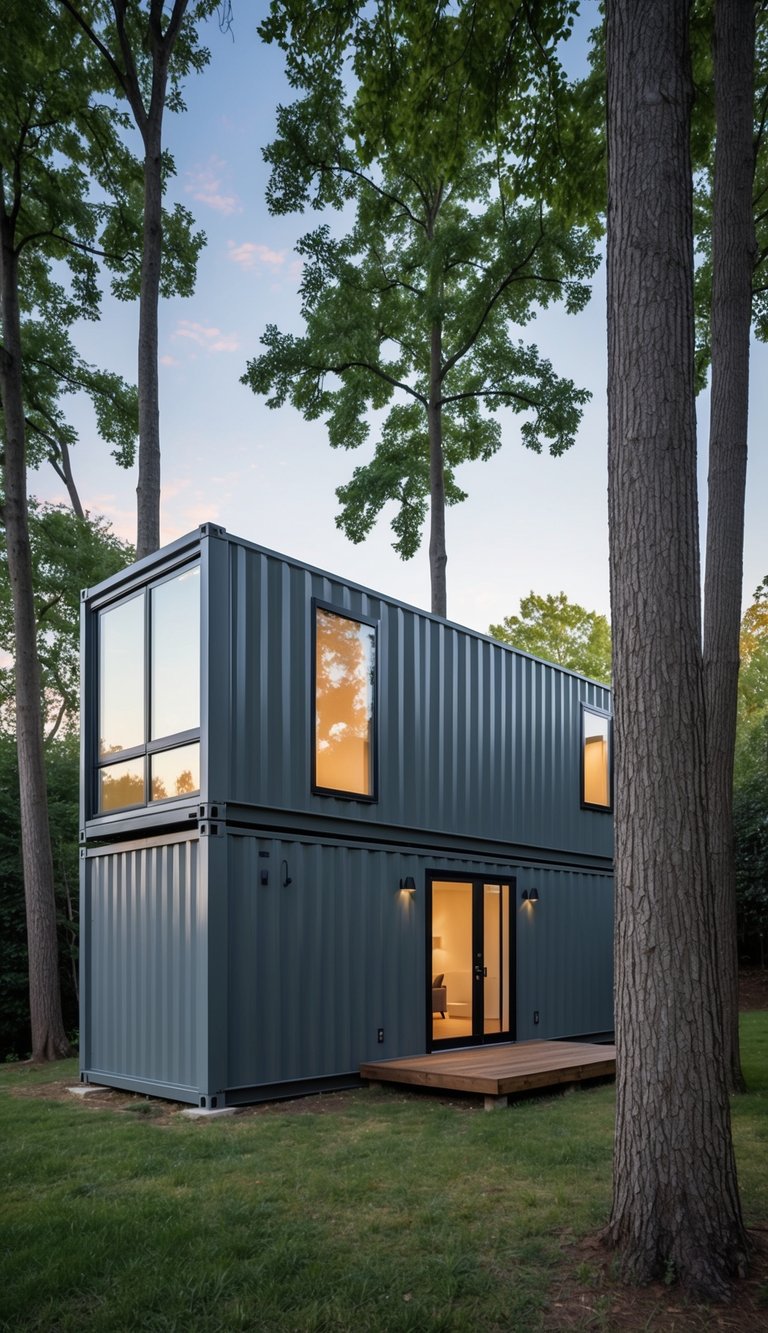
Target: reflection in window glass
{"type": "Point", "coordinates": [121, 677]}
{"type": "Point", "coordinates": [175, 772]}
{"type": "Point", "coordinates": [121, 785]}
{"type": "Point", "coordinates": [597, 768]}
{"type": "Point", "coordinates": [175, 678]}
{"type": "Point", "coordinates": [345, 666]}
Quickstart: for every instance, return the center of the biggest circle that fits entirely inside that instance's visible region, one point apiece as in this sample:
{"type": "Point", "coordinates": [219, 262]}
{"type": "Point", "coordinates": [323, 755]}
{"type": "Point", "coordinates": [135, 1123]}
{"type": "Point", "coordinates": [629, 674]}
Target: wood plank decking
{"type": "Point", "coordinates": [498, 1072]}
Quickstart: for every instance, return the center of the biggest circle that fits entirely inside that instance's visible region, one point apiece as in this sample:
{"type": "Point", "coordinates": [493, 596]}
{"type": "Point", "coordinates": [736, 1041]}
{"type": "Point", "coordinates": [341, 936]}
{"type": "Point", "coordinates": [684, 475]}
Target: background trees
{"type": "Point", "coordinates": [560, 631]}
{"type": "Point", "coordinates": [146, 55]}
{"type": "Point", "coordinates": [449, 256]}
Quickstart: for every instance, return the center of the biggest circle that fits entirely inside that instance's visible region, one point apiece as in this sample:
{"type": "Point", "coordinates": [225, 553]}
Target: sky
{"type": "Point", "coordinates": [531, 522]}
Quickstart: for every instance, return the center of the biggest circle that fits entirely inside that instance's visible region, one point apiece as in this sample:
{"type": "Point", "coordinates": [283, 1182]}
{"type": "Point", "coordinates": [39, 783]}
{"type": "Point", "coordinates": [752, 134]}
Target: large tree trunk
{"type": "Point", "coordinates": [733, 255]}
{"type": "Point", "coordinates": [438, 557]}
{"type": "Point", "coordinates": [49, 1040]}
{"type": "Point", "coordinates": [676, 1207]}
{"type": "Point", "coordinates": [148, 488]}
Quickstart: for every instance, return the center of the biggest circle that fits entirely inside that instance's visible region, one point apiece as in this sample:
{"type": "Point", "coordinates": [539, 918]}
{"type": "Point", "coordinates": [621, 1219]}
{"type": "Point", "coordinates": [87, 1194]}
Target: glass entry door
{"type": "Point", "coordinates": [470, 958]}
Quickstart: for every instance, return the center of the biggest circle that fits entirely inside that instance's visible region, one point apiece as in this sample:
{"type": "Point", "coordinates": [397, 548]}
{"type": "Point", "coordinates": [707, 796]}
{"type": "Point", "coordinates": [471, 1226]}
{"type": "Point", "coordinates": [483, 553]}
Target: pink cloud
{"type": "Point", "coordinates": [206, 336]}
{"type": "Point", "coordinates": [204, 183]}
{"type": "Point", "coordinates": [251, 255]}
{"type": "Point", "coordinates": [168, 360]}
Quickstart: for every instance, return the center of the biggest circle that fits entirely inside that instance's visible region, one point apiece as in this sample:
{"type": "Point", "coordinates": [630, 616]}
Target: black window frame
{"type": "Point", "coordinates": [317, 604]}
{"type": "Point", "coordinates": [162, 744]}
{"type": "Point", "coordinates": [604, 713]}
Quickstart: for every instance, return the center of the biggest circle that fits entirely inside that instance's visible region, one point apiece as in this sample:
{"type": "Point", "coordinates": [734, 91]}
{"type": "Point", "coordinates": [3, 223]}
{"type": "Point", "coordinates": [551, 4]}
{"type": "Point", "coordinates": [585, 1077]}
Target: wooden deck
{"type": "Point", "coordinates": [498, 1072]}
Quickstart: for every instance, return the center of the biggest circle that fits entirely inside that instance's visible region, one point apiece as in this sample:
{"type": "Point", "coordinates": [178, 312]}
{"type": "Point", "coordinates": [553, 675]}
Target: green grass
{"type": "Point", "coordinates": [388, 1213]}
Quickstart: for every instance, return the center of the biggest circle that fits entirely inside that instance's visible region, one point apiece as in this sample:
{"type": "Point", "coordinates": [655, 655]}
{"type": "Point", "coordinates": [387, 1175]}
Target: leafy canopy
{"type": "Point", "coordinates": [419, 309]}
{"type": "Point", "coordinates": [560, 631]}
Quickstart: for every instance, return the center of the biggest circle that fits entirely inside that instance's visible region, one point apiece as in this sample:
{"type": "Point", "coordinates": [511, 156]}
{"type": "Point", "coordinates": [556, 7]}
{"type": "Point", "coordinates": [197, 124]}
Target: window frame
{"type": "Point", "coordinates": [318, 604]}
{"type": "Point", "coordinates": [594, 711]}
{"type": "Point", "coordinates": [162, 744]}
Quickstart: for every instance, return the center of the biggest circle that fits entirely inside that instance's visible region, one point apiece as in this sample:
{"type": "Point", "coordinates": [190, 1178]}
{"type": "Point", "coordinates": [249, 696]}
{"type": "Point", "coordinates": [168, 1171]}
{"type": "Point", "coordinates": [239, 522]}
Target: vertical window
{"type": "Point", "coordinates": [149, 695]}
{"type": "Point", "coordinates": [345, 690]}
{"type": "Point", "coordinates": [596, 760]}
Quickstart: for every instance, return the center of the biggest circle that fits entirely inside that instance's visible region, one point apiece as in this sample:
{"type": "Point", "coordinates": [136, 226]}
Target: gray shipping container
{"type": "Point", "coordinates": [320, 827]}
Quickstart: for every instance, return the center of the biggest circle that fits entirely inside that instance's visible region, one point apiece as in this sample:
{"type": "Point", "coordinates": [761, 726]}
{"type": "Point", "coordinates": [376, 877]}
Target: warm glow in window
{"type": "Point", "coordinates": [596, 762]}
{"type": "Point", "coordinates": [345, 669]}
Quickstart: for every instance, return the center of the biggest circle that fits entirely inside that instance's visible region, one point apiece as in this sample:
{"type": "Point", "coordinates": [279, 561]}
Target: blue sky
{"type": "Point", "coordinates": [531, 522]}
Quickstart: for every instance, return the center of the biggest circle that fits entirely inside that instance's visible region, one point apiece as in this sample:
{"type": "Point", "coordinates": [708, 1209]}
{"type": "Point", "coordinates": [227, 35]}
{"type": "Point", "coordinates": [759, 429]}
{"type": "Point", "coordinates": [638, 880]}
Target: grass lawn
{"type": "Point", "coordinates": [360, 1211]}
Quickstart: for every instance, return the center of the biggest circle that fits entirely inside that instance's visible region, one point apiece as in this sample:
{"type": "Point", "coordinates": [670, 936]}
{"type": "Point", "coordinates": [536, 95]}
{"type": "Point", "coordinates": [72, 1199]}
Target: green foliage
{"type": "Point", "coordinates": [750, 802]}
{"type": "Point", "coordinates": [62, 767]}
{"type": "Point", "coordinates": [67, 179]}
{"type": "Point", "coordinates": [560, 631]}
{"type": "Point", "coordinates": [420, 307]}
{"type": "Point", "coordinates": [68, 553]}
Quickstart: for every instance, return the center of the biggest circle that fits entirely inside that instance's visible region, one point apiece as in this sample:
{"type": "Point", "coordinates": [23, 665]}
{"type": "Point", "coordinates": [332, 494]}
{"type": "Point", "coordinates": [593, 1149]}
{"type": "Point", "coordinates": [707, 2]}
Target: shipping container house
{"type": "Point", "coordinates": [320, 827]}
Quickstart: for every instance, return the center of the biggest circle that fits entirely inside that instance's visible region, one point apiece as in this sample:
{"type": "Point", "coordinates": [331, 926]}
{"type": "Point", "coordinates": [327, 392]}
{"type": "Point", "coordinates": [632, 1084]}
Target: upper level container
{"type": "Point", "coordinates": [225, 681]}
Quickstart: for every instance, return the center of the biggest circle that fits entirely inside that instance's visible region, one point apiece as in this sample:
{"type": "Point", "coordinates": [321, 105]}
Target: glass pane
{"type": "Point", "coordinates": [596, 764]}
{"type": "Point", "coordinates": [121, 677]}
{"type": "Point", "coordinates": [451, 960]}
{"type": "Point", "coordinates": [175, 772]}
{"type": "Point", "coordinates": [345, 675]}
{"type": "Point", "coordinates": [121, 785]}
{"type": "Point", "coordinates": [175, 680]}
{"type": "Point", "coordinates": [496, 957]}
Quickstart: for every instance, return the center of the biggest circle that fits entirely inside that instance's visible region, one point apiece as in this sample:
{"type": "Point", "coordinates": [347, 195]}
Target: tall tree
{"type": "Point", "coordinates": [560, 631]}
{"type": "Point", "coordinates": [675, 1204]}
{"type": "Point", "coordinates": [62, 163]}
{"type": "Point", "coordinates": [423, 302]}
{"type": "Point", "coordinates": [148, 54]}
{"type": "Point", "coordinates": [733, 261]}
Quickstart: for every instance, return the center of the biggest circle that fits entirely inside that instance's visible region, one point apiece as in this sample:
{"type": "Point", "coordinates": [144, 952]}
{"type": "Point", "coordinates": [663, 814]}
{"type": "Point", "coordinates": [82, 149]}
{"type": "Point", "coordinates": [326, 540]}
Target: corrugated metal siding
{"type": "Point", "coordinates": [474, 738]}
{"type": "Point", "coordinates": [317, 966]}
{"type": "Point", "coordinates": [565, 954]}
{"type": "Point", "coordinates": [144, 962]}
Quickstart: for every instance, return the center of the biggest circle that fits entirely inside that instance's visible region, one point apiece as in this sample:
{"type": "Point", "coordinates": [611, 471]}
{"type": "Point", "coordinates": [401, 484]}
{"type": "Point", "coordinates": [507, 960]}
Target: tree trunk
{"type": "Point", "coordinates": [676, 1206]}
{"type": "Point", "coordinates": [49, 1040]}
{"type": "Point", "coordinates": [733, 255]}
{"type": "Point", "coordinates": [148, 488]}
{"type": "Point", "coordinates": [438, 557]}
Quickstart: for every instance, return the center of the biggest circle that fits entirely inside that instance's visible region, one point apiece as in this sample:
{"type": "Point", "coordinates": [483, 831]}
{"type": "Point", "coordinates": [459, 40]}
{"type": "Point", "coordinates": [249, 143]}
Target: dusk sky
{"type": "Point", "coordinates": [530, 522]}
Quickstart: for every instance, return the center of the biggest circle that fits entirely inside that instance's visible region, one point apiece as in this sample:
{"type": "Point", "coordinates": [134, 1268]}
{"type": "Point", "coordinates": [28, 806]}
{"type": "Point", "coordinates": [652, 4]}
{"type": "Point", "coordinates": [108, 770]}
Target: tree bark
{"type": "Point", "coordinates": [49, 1041]}
{"type": "Point", "coordinates": [676, 1209]}
{"type": "Point", "coordinates": [733, 257]}
{"type": "Point", "coordinates": [148, 488]}
{"type": "Point", "coordinates": [438, 557]}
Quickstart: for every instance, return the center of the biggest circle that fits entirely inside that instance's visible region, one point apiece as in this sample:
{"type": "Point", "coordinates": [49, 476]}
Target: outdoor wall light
{"type": "Point", "coordinates": [532, 897]}
{"type": "Point", "coordinates": [408, 885]}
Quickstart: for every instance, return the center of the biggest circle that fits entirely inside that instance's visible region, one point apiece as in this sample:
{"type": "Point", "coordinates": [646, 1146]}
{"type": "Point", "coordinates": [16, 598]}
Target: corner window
{"type": "Point", "coordinates": [149, 695]}
{"type": "Point", "coordinates": [345, 693]}
{"type": "Point", "coordinates": [595, 760]}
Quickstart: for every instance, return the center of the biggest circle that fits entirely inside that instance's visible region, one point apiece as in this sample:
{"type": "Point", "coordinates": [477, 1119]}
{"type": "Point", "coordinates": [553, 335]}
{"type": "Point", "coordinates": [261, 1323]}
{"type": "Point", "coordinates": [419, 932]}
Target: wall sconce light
{"type": "Point", "coordinates": [532, 897]}
{"type": "Point", "coordinates": [408, 885]}
{"type": "Point", "coordinates": [285, 876]}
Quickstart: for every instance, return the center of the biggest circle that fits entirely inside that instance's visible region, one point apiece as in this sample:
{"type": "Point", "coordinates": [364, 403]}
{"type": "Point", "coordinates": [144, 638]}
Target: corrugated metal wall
{"type": "Point", "coordinates": [317, 966]}
{"type": "Point", "coordinates": [474, 739]}
{"type": "Point", "coordinates": [144, 964]}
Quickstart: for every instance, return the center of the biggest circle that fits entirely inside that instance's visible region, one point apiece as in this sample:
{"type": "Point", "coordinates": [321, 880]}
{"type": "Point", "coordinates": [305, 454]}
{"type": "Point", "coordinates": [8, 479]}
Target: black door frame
{"type": "Point", "coordinates": [477, 880]}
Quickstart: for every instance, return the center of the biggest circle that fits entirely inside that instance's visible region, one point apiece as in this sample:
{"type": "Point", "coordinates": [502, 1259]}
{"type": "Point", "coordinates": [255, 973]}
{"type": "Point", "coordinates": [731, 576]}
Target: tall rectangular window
{"type": "Point", "coordinates": [345, 693]}
{"type": "Point", "coordinates": [149, 695]}
{"type": "Point", "coordinates": [595, 760]}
